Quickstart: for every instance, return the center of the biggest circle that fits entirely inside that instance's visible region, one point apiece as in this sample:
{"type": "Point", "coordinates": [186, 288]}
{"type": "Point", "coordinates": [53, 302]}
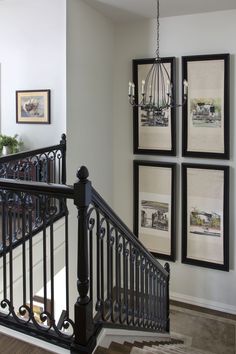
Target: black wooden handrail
{"type": "Point", "coordinates": [114, 218]}
{"type": "Point", "coordinates": [57, 190]}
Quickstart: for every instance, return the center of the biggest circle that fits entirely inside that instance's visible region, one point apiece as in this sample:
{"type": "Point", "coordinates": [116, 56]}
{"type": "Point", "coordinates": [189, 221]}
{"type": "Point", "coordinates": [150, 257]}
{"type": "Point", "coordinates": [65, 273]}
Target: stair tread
{"type": "Point", "coordinates": [122, 348]}
{"type": "Point", "coordinates": [102, 350]}
{"type": "Point", "coordinates": [179, 349]}
{"type": "Point", "coordinates": [172, 346]}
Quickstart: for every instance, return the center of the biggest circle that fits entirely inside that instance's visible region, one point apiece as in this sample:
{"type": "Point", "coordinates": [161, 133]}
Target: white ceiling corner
{"type": "Point", "coordinates": [129, 10]}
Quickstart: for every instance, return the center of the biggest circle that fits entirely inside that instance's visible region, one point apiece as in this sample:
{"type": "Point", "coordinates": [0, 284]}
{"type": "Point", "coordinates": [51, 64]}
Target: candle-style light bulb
{"type": "Point", "coordinates": [130, 88]}
{"type": "Point", "coordinates": [143, 86]}
{"type": "Point", "coordinates": [185, 87]}
{"type": "Point", "coordinates": [133, 89]}
{"type": "Point", "coordinates": [168, 90]}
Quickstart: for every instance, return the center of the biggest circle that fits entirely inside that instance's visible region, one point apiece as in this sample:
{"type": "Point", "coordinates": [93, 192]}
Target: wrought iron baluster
{"type": "Point", "coordinates": [132, 277]}
{"type": "Point", "coordinates": [146, 294]}
{"type": "Point", "coordinates": [63, 152]}
{"type": "Point", "coordinates": [155, 298]}
{"type": "Point", "coordinates": [118, 276]}
{"type": "Point", "coordinates": [23, 252]}
{"type": "Point", "coordinates": [142, 292]}
{"type": "Point", "coordinates": [10, 250]}
{"type": "Point", "coordinates": [43, 215]}
{"type": "Point", "coordinates": [52, 266]}
{"type": "Point", "coordinates": [108, 265]}
{"type": "Point", "coordinates": [111, 282]}
{"type": "Point", "coordinates": [98, 307]}
{"type": "Point", "coordinates": [4, 213]}
{"type": "Point", "coordinates": [30, 211]}
{"type": "Point", "coordinates": [167, 297]}
{"type": "Point", "coordinates": [66, 256]}
{"type": "Point", "coordinates": [125, 283]}
{"type": "Point", "coordinates": [137, 290]}
{"type": "Point", "coordinates": [102, 234]}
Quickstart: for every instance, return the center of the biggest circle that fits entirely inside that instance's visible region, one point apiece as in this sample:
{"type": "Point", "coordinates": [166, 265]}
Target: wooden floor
{"type": "Point", "coordinates": [10, 345]}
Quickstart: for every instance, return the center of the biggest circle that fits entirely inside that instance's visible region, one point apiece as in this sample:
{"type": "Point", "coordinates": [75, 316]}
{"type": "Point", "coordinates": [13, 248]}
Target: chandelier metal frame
{"type": "Point", "coordinates": [157, 89]}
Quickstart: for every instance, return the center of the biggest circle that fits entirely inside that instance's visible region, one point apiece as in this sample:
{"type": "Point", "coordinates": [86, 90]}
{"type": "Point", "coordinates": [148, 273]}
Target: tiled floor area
{"type": "Point", "coordinates": [208, 330]}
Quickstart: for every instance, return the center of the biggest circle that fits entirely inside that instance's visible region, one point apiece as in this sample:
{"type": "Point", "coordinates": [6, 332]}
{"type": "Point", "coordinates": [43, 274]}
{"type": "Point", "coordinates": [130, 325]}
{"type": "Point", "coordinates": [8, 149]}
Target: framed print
{"type": "Point", "coordinates": [153, 136]}
{"type": "Point", "coordinates": [206, 112]}
{"type": "Point", "coordinates": [205, 212]}
{"type": "Point", "coordinates": [33, 107]}
{"type": "Point", "coordinates": [154, 207]}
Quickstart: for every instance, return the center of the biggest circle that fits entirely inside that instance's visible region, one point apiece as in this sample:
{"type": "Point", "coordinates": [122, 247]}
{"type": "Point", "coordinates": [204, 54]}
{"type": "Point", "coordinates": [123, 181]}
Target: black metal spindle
{"type": "Point", "coordinates": [98, 263]}
{"type": "Point", "coordinates": [52, 267]}
{"type": "Point", "coordinates": [132, 276]}
{"type": "Point", "coordinates": [10, 251]}
{"type": "Point", "coordinates": [66, 257]}
{"type": "Point", "coordinates": [43, 211]}
{"type": "Point", "coordinates": [111, 279]}
{"type": "Point", "coordinates": [142, 292]}
{"type": "Point", "coordinates": [63, 152]}
{"type": "Point", "coordinates": [23, 253]}
{"type": "Point", "coordinates": [137, 290]}
{"type": "Point", "coordinates": [3, 196]}
{"type": "Point", "coordinates": [108, 265]}
{"type": "Point", "coordinates": [167, 297]}
{"type": "Point", "coordinates": [102, 234]}
{"type": "Point", "coordinates": [125, 276]}
{"type": "Point", "coordinates": [30, 211]}
{"type": "Point", "coordinates": [117, 272]}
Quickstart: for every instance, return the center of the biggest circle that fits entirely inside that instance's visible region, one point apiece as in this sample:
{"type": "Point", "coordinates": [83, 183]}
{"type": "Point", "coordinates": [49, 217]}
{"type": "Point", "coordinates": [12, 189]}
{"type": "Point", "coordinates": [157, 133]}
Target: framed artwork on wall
{"type": "Point", "coordinates": [33, 107]}
{"type": "Point", "coordinates": [154, 207]}
{"type": "Point", "coordinates": [151, 135]}
{"type": "Point", "coordinates": [206, 113]}
{"type": "Point", "coordinates": [205, 216]}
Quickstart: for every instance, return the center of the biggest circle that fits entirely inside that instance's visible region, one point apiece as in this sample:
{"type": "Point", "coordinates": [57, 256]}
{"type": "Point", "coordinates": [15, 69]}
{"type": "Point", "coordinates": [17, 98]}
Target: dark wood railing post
{"type": "Point", "coordinates": [84, 328]}
{"type": "Point", "coordinates": [167, 268]}
{"type": "Point", "coordinates": [63, 152]}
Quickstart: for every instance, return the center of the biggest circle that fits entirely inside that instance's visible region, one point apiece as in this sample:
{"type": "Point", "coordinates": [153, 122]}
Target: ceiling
{"type": "Point", "coordinates": [132, 10]}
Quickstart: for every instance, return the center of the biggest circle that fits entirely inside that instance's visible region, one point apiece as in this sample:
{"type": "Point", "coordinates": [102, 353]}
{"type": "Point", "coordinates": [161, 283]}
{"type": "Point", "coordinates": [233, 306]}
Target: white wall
{"type": "Point", "coordinates": [90, 40]}
{"type": "Point", "coordinates": [184, 35]}
{"type": "Point", "coordinates": [33, 56]}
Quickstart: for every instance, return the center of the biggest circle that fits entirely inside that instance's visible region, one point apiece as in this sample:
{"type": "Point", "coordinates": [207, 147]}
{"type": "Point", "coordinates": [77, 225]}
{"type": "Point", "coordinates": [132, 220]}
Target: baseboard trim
{"type": "Point", "coordinates": [204, 303]}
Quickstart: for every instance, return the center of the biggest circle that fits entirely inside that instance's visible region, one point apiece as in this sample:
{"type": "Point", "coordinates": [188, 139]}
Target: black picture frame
{"type": "Point", "coordinates": [144, 149]}
{"type": "Point", "coordinates": [205, 220]}
{"type": "Point", "coordinates": [163, 178]}
{"type": "Point", "coordinates": [33, 106]}
{"type": "Point", "coordinates": [206, 114]}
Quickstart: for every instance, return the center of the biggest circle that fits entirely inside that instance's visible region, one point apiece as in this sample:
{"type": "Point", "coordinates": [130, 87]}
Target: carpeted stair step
{"type": "Point", "coordinates": [175, 349]}
{"type": "Point", "coordinates": [119, 348]}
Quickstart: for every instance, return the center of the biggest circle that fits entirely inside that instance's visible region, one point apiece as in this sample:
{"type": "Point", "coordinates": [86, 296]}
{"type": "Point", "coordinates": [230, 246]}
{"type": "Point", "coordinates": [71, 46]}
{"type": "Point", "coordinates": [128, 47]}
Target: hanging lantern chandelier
{"type": "Point", "coordinates": [156, 89]}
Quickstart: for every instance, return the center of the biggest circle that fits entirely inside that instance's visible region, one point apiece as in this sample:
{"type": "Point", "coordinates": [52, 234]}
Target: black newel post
{"type": "Point", "coordinates": [63, 152]}
{"type": "Point", "coordinates": [84, 306]}
{"type": "Point", "coordinates": [167, 268]}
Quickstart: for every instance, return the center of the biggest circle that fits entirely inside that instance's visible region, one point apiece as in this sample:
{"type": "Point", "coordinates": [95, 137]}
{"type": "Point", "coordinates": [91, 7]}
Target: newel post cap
{"type": "Point", "coordinates": [82, 173]}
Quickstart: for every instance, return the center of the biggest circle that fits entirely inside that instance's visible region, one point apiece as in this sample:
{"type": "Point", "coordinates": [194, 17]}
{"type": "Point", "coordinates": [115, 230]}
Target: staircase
{"type": "Point", "coordinates": [168, 346]}
{"type": "Point", "coordinates": [111, 280]}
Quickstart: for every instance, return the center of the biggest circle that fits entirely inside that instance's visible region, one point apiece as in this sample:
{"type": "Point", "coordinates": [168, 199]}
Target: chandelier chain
{"type": "Point", "coordinates": [158, 31]}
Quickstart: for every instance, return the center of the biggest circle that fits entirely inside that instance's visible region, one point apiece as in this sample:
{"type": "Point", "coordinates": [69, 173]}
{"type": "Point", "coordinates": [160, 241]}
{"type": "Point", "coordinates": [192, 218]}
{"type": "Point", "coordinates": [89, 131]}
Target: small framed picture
{"type": "Point", "coordinates": [153, 136]}
{"type": "Point", "coordinates": [33, 107]}
{"type": "Point", "coordinates": [154, 207]}
{"type": "Point", "coordinates": [205, 212]}
{"type": "Point", "coordinates": [206, 113]}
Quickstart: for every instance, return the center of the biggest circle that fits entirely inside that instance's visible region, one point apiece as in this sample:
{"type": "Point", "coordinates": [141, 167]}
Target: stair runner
{"type": "Point", "coordinates": [169, 346]}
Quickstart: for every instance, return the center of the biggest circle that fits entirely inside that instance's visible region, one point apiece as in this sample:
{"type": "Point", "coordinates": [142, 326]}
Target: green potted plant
{"type": "Point", "coordinates": [9, 144]}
